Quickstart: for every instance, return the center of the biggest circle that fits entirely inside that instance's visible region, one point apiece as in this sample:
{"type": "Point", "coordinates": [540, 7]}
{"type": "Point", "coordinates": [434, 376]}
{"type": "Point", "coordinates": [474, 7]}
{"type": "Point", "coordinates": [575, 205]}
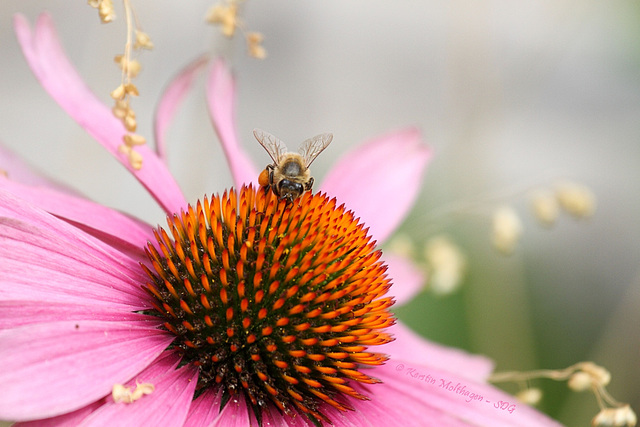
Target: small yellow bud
{"type": "Point", "coordinates": [580, 381]}
{"type": "Point", "coordinates": [507, 229]}
{"type": "Point", "coordinates": [124, 149]}
{"type": "Point", "coordinates": [599, 375]}
{"type": "Point", "coordinates": [446, 265]}
{"type": "Point", "coordinates": [143, 41]}
{"type": "Point", "coordinates": [130, 123]}
{"type": "Point", "coordinates": [132, 139]}
{"type": "Point", "coordinates": [576, 199]}
{"type": "Point", "coordinates": [132, 68]}
{"type": "Point", "coordinates": [131, 89]}
{"type": "Point", "coordinates": [254, 44]}
{"type": "Point", "coordinates": [589, 375]}
{"type": "Point", "coordinates": [615, 417]}
{"type": "Point", "coordinates": [135, 160]}
{"type": "Point", "coordinates": [545, 207]}
{"type": "Point", "coordinates": [118, 93]}
{"type": "Point", "coordinates": [119, 112]}
{"type": "Point", "coordinates": [94, 3]}
{"type": "Point", "coordinates": [530, 396]}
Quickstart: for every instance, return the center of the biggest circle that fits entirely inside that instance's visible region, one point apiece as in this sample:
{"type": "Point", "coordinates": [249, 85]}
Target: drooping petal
{"type": "Point", "coordinates": [221, 96]}
{"type": "Point", "coordinates": [413, 348]}
{"type": "Point", "coordinates": [380, 180]}
{"type": "Point", "coordinates": [57, 367]}
{"type": "Point", "coordinates": [171, 100]}
{"type": "Point", "coordinates": [407, 279]}
{"type": "Point", "coordinates": [167, 405]}
{"type": "Point", "coordinates": [50, 65]}
{"type": "Point", "coordinates": [46, 259]}
{"type": "Point", "coordinates": [118, 229]}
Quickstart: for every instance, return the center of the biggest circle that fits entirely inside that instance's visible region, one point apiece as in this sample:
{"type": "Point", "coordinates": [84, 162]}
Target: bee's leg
{"type": "Point", "coordinates": [267, 187]}
{"type": "Point", "coordinates": [309, 184]}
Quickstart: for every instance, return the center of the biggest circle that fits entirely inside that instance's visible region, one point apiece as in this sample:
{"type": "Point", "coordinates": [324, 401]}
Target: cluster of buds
{"type": "Point", "coordinates": [582, 376]}
{"type": "Point", "coordinates": [122, 94]}
{"type": "Point", "coordinates": [226, 15]}
{"type": "Point", "coordinates": [575, 199]}
{"type": "Point", "coordinates": [129, 67]}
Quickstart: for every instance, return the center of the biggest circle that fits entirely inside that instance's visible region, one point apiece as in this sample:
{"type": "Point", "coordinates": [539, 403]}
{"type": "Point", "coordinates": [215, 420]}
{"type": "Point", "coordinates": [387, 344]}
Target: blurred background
{"type": "Point", "coordinates": [509, 95]}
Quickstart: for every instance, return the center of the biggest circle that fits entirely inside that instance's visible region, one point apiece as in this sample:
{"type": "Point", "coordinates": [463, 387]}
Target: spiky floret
{"type": "Point", "coordinates": [276, 301]}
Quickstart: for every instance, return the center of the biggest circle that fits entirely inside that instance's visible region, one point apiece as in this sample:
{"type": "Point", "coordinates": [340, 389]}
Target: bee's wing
{"type": "Point", "coordinates": [310, 148]}
{"type": "Point", "coordinates": [273, 145]}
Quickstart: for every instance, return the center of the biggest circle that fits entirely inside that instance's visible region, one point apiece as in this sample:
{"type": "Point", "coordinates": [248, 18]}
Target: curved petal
{"type": "Point", "coordinates": [53, 368]}
{"type": "Point", "coordinates": [380, 180]}
{"type": "Point", "coordinates": [221, 96]}
{"type": "Point", "coordinates": [167, 405]}
{"type": "Point", "coordinates": [117, 228]}
{"type": "Point", "coordinates": [60, 260]}
{"type": "Point", "coordinates": [50, 65]}
{"type": "Point", "coordinates": [407, 279]}
{"type": "Point", "coordinates": [413, 348]}
{"type": "Point", "coordinates": [171, 99]}
{"type": "Point", "coordinates": [411, 394]}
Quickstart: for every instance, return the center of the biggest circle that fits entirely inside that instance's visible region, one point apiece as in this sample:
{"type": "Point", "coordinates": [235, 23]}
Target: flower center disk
{"type": "Point", "coordinates": [273, 300]}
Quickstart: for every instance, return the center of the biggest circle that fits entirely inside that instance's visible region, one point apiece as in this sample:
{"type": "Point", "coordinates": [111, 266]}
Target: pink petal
{"type": "Point", "coordinates": [415, 349]}
{"type": "Point", "coordinates": [206, 411]}
{"type": "Point", "coordinates": [380, 180]}
{"type": "Point", "coordinates": [57, 367]}
{"type": "Point", "coordinates": [167, 405]}
{"type": "Point", "coordinates": [412, 395]}
{"type": "Point", "coordinates": [221, 96]}
{"type": "Point", "coordinates": [28, 312]}
{"type": "Point", "coordinates": [171, 99]}
{"type": "Point", "coordinates": [70, 419]}
{"type": "Point", "coordinates": [118, 229]}
{"type": "Point", "coordinates": [407, 279]}
{"type": "Point", "coordinates": [58, 77]}
{"type": "Point", "coordinates": [63, 263]}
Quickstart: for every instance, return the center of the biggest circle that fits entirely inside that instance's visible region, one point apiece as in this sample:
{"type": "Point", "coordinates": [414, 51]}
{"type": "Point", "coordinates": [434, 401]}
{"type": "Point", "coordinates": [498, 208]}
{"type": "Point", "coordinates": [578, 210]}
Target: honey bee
{"type": "Point", "coordinates": [289, 176]}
